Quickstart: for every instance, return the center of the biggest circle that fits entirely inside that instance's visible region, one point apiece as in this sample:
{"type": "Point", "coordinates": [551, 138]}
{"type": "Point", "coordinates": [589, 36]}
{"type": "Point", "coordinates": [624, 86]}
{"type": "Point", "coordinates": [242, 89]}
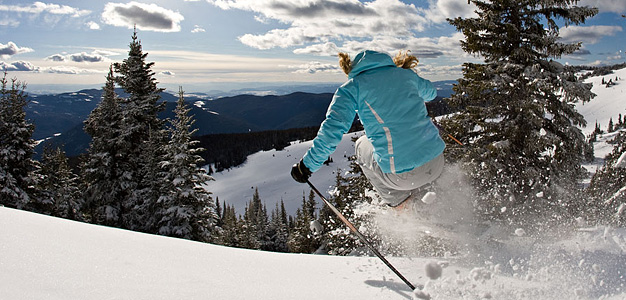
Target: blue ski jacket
{"type": "Point", "coordinates": [390, 104]}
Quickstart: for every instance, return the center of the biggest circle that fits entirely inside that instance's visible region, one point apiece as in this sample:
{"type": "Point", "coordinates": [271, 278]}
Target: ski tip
{"type": "Point", "coordinates": [420, 294]}
{"type": "Point", "coordinates": [429, 198]}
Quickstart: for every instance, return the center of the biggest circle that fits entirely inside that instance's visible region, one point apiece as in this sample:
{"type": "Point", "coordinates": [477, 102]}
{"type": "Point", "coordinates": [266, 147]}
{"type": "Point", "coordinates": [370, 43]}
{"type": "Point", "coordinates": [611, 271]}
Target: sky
{"type": "Point", "coordinates": [205, 45]}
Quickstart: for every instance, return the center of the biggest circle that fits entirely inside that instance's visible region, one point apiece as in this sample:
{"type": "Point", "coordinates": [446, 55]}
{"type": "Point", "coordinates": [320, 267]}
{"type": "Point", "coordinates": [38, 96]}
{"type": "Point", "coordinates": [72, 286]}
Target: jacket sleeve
{"type": "Point", "coordinates": [339, 118]}
{"type": "Point", "coordinates": [427, 91]}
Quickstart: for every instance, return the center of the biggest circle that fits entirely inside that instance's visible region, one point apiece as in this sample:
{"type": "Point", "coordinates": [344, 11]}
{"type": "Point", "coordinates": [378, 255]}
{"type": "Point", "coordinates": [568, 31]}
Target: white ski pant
{"type": "Point", "coordinates": [395, 188]}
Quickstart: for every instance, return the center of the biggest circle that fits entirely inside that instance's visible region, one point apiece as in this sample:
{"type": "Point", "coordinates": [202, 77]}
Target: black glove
{"type": "Point", "coordinates": [300, 172]}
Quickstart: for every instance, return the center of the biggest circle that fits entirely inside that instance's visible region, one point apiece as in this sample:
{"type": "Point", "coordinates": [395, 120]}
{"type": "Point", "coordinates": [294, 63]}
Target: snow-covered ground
{"type": "Point", "coordinates": [49, 258]}
{"type": "Point", "coordinates": [609, 102]}
{"type": "Point", "coordinates": [269, 171]}
{"type": "Point", "coordinates": [43, 257]}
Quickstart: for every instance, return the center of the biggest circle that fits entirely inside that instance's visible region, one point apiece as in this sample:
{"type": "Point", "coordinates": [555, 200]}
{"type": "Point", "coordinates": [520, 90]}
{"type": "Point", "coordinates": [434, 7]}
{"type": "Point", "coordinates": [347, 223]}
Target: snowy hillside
{"type": "Point", "coordinates": [48, 258]}
{"type": "Point", "coordinates": [269, 171]}
{"type": "Point", "coordinates": [609, 102]}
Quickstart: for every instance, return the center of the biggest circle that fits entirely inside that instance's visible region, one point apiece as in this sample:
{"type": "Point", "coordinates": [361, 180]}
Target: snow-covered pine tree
{"type": "Point", "coordinates": [102, 171]}
{"type": "Point", "coordinates": [185, 208]}
{"type": "Point", "coordinates": [246, 231]}
{"type": "Point", "coordinates": [278, 229]}
{"type": "Point", "coordinates": [516, 109]}
{"type": "Point", "coordinates": [253, 225]}
{"type": "Point", "coordinates": [228, 235]}
{"type": "Point", "coordinates": [302, 239]}
{"type": "Point", "coordinates": [607, 189]}
{"type": "Point", "coordinates": [17, 167]}
{"type": "Point", "coordinates": [141, 131]}
{"type": "Point", "coordinates": [349, 191]}
{"type": "Point", "coordinates": [59, 185]}
{"type": "Point", "coordinates": [218, 212]}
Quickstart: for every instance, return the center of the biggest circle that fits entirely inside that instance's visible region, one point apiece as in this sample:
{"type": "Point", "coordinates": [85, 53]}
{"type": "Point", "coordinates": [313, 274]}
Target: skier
{"type": "Point", "coordinates": [401, 150]}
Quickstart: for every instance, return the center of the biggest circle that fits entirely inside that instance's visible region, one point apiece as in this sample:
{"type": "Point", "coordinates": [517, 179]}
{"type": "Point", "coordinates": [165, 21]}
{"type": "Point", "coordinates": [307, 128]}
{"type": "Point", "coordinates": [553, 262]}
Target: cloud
{"type": "Point", "coordinates": [24, 66]}
{"type": "Point", "coordinates": [581, 51]}
{"type": "Point", "coordinates": [40, 7]}
{"type": "Point", "coordinates": [430, 70]}
{"type": "Point", "coordinates": [70, 70]}
{"type": "Point", "coordinates": [56, 57]}
{"type": "Point", "coordinates": [42, 14]}
{"type": "Point", "coordinates": [326, 20]}
{"type": "Point", "coordinates": [288, 11]}
{"type": "Point", "coordinates": [11, 49]}
{"type": "Point", "coordinates": [168, 73]}
{"type": "Point", "coordinates": [9, 22]}
{"type": "Point", "coordinates": [325, 27]}
{"type": "Point", "coordinates": [440, 10]}
{"type": "Point", "coordinates": [315, 67]}
{"type": "Point", "coordinates": [86, 57]}
{"type": "Point", "coordinates": [197, 29]}
{"type": "Point", "coordinates": [587, 34]}
{"type": "Point", "coordinates": [319, 49]}
{"type": "Point", "coordinates": [145, 16]}
{"type": "Point", "coordinates": [93, 25]}
{"type": "Point", "coordinates": [83, 57]}
{"type": "Point", "coordinates": [20, 66]}
{"type": "Point", "coordinates": [615, 6]}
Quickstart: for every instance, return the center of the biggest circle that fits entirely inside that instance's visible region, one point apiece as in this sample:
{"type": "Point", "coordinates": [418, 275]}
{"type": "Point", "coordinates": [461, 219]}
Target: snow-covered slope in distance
{"type": "Point", "coordinates": [269, 171]}
{"type": "Point", "coordinates": [609, 102]}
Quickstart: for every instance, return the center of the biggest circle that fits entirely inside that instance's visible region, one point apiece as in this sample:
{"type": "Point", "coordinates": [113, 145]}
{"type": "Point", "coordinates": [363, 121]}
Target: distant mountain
{"type": "Point", "coordinates": [58, 113]}
{"type": "Point", "coordinates": [59, 118]}
{"type": "Point", "coordinates": [65, 114]}
{"type": "Point", "coordinates": [276, 90]}
{"type": "Point", "coordinates": [444, 88]}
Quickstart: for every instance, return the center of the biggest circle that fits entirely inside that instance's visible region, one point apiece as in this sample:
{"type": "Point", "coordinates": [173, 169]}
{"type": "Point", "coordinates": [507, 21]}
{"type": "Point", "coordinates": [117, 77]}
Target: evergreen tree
{"type": "Point", "coordinates": [186, 208]}
{"type": "Point", "coordinates": [597, 129]}
{"type": "Point", "coordinates": [228, 235]}
{"type": "Point", "coordinates": [247, 231]}
{"type": "Point", "coordinates": [218, 211]}
{"type": "Point", "coordinates": [59, 185]}
{"type": "Point", "coordinates": [516, 107]}
{"type": "Point", "coordinates": [254, 225]}
{"type": "Point", "coordinates": [278, 229]}
{"type": "Point", "coordinates": [141, 135]}
{"type": "Point", "coordinates": [153, 184]}
{"type": "Point", "coordinates": [103, 174]}
{"type": "Point", "coordinates": [17, 167]}
{"type": "Point", "coordinates": [349, 192]}
{"type": "Point", "coordinates": [302, 239]}
{"type": "Point", "coordinates": [610, 127]}
{"type": "Point", "coordinates": [607, 189]}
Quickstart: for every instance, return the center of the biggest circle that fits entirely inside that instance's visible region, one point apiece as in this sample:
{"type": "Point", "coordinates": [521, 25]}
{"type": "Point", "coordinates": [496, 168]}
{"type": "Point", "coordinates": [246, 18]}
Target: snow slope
{"type": "Point", "coordinates": [269, 171]}
{"type": "Point", "coordinates": [609, 102]}
{"type": "Point", "coordinates": [43, 257]}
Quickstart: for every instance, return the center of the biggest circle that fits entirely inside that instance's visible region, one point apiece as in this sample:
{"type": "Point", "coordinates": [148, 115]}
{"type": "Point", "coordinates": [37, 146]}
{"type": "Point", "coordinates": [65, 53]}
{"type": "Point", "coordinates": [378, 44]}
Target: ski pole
{"type": "Point", "coordinates": [360, 236]}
